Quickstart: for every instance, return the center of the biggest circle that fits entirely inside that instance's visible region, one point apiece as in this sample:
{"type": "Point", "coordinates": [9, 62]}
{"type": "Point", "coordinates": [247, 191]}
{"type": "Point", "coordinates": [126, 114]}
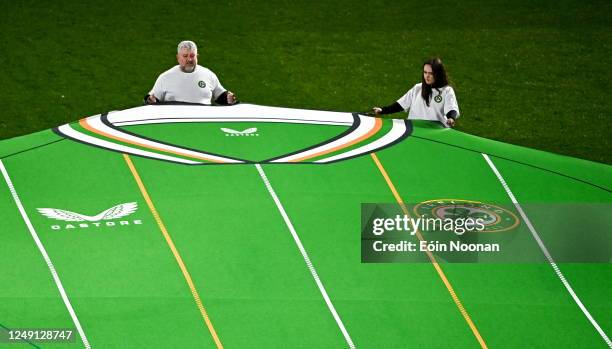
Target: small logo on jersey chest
{"type": "Point", "coordinates": [202, 84]}
{"type": "Point", "coordinates": [248, 132]}
{"type": "Point", "coordinates": [438, 99]}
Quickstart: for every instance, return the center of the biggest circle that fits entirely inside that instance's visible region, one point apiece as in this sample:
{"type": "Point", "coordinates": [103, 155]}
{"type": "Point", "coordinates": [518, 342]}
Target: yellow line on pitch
{"type": "Point", "coordinates": [175, 252]}
{"type": "Point", "coordinates": [432, 258]}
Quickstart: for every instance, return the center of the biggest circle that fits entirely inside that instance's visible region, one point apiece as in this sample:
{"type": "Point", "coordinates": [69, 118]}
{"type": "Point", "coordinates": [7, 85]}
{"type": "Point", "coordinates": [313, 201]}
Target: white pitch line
{"type": "Point", "coordinates": [311, 267]}
{"type": "Point", "coordinates": [42, 250]}
{"type": "Point", "coordinates": [552, 262]}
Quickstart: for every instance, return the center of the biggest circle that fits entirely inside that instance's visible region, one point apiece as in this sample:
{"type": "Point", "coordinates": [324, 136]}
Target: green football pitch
{"type": "Point", "coordinates": [182, 226]}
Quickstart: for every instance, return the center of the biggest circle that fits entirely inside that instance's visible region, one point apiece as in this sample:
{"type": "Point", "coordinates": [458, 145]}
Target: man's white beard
{"type": "Point", "coordinates": [187, 69]}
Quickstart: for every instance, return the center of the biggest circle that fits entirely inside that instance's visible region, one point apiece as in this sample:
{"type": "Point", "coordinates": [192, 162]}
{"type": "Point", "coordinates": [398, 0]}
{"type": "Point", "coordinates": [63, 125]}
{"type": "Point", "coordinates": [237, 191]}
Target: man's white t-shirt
{"type": "Point", "coordinates": [442, 101]}
{"type": "Point", "coordinates": [200, 86]}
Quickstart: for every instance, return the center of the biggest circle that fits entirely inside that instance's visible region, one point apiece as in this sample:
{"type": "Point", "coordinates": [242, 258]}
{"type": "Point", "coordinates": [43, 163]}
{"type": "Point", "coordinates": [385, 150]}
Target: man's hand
{"type": "Point", "coordinates": [376, 110]}
{"type": "Point", "coordinates": [450, 122]}
{"type": "Point", "coordinates": [152, 99]}
{"type": "Point", "coordinates": [231, 98]}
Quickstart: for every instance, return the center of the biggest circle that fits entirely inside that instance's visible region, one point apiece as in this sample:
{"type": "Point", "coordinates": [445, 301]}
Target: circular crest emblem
{"type": "Point", "coordinates": [495, 218]}
{"type": "Point", "coordinates": [202, 84]}
{"type": "Point", "coordinates": [438, 99]}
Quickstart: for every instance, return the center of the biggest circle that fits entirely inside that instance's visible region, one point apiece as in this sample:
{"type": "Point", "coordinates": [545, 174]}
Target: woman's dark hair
{"type": "Point", "coordinates": [440, 78]}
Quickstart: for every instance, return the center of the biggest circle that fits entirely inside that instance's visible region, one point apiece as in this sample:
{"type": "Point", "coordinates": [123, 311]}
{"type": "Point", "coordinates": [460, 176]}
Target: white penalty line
{"type": "Point", "coordinates": [42, 250]}
{"type": "Point", "coordinates": [311, 267]}
{"type": "Point", "coordinates": [552, 262]}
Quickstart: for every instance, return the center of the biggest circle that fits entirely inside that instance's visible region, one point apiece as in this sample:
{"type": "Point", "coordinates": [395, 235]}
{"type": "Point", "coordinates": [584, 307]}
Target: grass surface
{"type": "Point", "coordinates": [534, 73]}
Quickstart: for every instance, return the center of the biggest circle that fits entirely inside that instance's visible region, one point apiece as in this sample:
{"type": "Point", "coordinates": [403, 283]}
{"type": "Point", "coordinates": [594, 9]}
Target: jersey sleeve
{"type": "Point", "coordinates": [218, 89]}
{"type": "Point", "coordinates": [406, 100]}
{"type": "Point", "coordinates": [158, 89]}
{"type": "Point", "coordinates": [450, 102]}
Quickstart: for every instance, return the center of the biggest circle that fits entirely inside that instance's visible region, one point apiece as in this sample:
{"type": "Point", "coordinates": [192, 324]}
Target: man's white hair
{"type": "Point", "coordinates": [189, 45]}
